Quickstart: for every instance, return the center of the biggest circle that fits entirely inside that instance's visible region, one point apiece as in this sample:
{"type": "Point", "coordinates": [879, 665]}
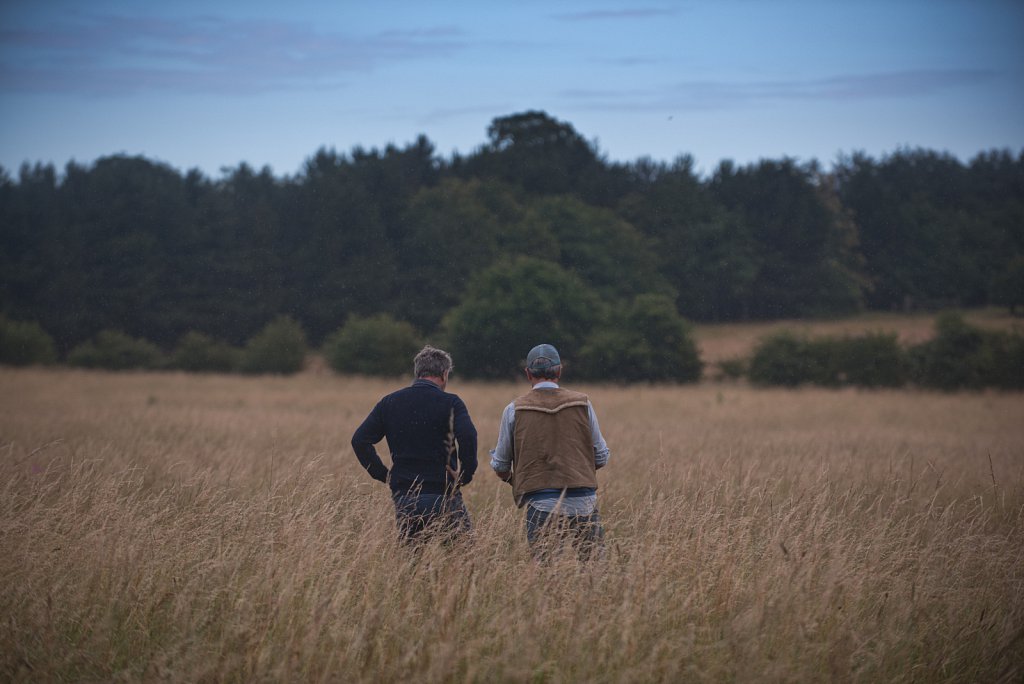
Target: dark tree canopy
{"type": "Point", "coordinates": [132, 245]}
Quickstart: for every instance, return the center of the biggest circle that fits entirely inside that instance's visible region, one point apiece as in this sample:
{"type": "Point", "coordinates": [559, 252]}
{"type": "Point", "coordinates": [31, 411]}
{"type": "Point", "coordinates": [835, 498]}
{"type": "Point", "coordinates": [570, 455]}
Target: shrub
{"type": "Point", "coordinates": [782, 359]}
{"type": "Point", "coordinates": [378, 345]}
{"type": "Point", "coordinates": [871, 360]}
{"type": "Point", "coordinates": [199, 353]}
{"type": "Point", "coordinates": [649, 340]}
{"type": "Point", "coordinates": [24, 343]}
{"type": "Point", "coordinates": [114, 350]}
{"type": "Point", "coordinates": [956, 357]}
{"type": "Point", "coordinates": [279, 348]}
{"type": "Point", "coordinates": [961, 356]}
{"type": "Point", "coordinates": [1007, 361]}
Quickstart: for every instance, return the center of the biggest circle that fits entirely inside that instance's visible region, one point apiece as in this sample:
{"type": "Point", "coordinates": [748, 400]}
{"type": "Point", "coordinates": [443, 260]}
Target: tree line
{"type": "Point", "coordinates": [535, 222]}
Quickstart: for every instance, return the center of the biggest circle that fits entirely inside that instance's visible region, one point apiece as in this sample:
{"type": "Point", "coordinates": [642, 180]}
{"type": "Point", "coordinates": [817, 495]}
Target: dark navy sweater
{"type": "Point", "coordinates": [415, 420]}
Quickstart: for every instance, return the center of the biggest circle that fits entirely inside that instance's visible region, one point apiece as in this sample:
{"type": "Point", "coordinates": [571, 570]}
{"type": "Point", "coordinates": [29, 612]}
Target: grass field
{"type": "Point", "coordinates": [165, 527]}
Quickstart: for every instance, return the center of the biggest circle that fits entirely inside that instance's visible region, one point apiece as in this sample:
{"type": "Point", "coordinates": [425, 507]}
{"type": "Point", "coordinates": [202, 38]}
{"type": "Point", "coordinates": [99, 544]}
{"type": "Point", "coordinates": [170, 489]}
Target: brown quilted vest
{"type": "Point", "coordinates": [552, 445]}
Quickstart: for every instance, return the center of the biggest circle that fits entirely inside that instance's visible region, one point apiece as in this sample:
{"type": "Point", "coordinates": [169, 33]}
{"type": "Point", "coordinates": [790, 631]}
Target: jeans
{"type": "Point", "coordinates": [547, 532]}
{"type": "Point", "coordinates": [420, 516]}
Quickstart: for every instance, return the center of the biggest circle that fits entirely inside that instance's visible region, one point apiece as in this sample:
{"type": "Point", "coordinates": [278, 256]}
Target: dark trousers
{"type": "Point", "coordinates": [549, 532]}
{"type": "Point", "coordinates": [421, 516]}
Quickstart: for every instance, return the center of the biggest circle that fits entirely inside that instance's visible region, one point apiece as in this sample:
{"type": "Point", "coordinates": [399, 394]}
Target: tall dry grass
{"type": "Point", "coordinates": [178, 528]}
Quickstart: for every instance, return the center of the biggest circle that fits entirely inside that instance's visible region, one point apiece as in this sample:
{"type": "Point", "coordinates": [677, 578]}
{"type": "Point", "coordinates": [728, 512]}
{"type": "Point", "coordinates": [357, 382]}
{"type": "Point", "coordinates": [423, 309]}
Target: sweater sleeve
{"type": "Point", "coordinates": [465, 435]}
{"type": "Point", "coordinates": [365, 436]}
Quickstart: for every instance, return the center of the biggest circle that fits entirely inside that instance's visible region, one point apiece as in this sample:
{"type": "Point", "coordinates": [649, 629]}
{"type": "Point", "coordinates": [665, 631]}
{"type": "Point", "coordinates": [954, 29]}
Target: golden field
{"type": "Point", "coordinates": [167, 527]}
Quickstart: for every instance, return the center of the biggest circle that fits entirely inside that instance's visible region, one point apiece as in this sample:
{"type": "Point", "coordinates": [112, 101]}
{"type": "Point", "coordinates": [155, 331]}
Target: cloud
{"type": "Point", "coordinates": [703, 95]}
{"type": "Point", "coordinates": [93, 54]}
{"type": "Point", "coordinates": [631, 13]}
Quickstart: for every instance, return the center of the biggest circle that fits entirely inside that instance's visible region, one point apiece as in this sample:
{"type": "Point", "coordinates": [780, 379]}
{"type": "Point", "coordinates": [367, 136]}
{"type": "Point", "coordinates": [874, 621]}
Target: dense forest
{"type": "Point", "coordinates": [130, 244]}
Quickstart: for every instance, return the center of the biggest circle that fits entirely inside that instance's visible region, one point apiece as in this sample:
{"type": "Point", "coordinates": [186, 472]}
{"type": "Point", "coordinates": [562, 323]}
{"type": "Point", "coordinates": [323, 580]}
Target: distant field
{"type": "Point", "coordinates": [732, 340]}
{"type": "Point", "coordinates": [209, 528]}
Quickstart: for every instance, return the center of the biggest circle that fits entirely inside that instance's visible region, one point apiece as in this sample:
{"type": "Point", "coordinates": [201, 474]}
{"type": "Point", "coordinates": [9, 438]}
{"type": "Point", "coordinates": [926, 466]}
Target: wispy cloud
{"type": "Point", "coordinates": [123, 54]}
{"type": "Point", "coordinates": [629, 13]}
{"type": "Point", "coordinates": [702, 95]}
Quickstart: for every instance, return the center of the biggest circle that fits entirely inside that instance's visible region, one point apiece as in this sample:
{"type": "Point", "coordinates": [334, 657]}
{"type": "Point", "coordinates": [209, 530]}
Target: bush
{"type": "Point", "coordinates": [24, 343]}
{"type": "Point", "coordinates": [1007, 361]}
{"type": "Point", "coordinates": [378, 345]}
{"type": "Point", "coordinates": [514, 305]}
{"type": "Point", "coordinates": [114, 350]}
{"type": "Point", "coordinates": [279, 348]}
{"type": "Point", "coordinates": [872, 360]}
{"type": "Point", "coordinates": [199, 353]}
{"type": "Point", "coordinates": [953, 359]}
{"type": "Point", "coordinates": [961, 356]}
{"type": "Point", "coordinates": [649, 340]}
{"type": "Point", "coordinates": [782, 359]}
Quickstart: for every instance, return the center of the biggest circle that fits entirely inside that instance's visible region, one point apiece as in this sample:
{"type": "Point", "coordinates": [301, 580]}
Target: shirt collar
{"type": "Point", "coordinates": [546, 384]}
{"type": "Point", "coordinates": [422, 382]}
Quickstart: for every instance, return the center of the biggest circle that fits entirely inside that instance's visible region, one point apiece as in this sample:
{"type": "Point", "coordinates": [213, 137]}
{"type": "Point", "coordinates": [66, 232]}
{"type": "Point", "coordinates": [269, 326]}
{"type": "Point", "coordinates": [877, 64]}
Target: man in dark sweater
{"type": "Point", "coordinates": [433, 449]}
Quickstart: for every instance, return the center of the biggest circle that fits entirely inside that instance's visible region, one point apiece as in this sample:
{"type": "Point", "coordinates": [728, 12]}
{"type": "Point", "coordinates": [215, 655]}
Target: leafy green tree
{"type": "Point", "coordinates": [279, 348]}
{"type": "Point", "coordinates": [1008, 286]}
{"type": "Point", "coordinates": [340, 262]}
{"type": "Point", "coordinates": [931, 230]}
{"type": "Point", "coordinates": [608, 253]}
{"type": "Point", "coordinates": [514, 305]}
{"type": "Point", "coordinates": [648, 340]}
{"type": "Point", "coordinates": [542, 155]}
{"type": "Point", "coordinates": [248, 275]}
{"type": "Point", "coordinates": [392, 176]}
{"type": "Point", "coordinates": [29, 233]}
{"type": "Point", "coordinates": [703, 251]}
{"type": "Point", "coordinates": [453, 231]}
{"type": "Point", "coordinates": [377, 345]}
{"type": "Point", "coordinates": [806, 263]}
{"type": "Point", "coordinates": [113, 266]}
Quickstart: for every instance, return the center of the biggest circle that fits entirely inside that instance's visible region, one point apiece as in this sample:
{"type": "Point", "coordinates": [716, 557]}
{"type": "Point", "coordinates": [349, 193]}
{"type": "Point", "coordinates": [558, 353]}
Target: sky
{"type": "Point", "coordinates": [210, 84]}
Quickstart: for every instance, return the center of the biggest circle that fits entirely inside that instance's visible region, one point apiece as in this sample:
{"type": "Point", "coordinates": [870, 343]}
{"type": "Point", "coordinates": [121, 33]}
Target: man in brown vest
{"type": "Point", "coordinates": [549, 449]}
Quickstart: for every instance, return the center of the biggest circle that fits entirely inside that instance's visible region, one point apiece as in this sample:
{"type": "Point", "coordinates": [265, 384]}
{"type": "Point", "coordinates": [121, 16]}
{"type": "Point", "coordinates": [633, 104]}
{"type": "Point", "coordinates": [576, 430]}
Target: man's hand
{"type": "Point", "coordinates": [504, 476]}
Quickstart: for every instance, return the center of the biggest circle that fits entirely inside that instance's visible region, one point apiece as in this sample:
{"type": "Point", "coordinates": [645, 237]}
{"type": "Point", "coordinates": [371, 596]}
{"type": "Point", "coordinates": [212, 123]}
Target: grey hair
{"type": "Point", "coordinates": [431, 362]}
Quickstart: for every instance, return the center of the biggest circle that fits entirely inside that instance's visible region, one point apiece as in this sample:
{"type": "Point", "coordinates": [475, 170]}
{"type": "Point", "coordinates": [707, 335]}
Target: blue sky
{"type": "Point", "coordinates": [211, 84]}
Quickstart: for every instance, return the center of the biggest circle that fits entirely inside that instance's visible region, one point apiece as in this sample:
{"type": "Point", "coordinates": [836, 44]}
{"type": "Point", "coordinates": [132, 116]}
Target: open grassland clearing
{"type": "Point", "coordinates": [724, 341]}
{"type": "Point", "coordinates": [210, 528]}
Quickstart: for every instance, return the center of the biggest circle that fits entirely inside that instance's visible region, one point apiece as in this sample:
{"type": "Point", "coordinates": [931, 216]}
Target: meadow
{"type": "Point", "coordinates": [171, 527]}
